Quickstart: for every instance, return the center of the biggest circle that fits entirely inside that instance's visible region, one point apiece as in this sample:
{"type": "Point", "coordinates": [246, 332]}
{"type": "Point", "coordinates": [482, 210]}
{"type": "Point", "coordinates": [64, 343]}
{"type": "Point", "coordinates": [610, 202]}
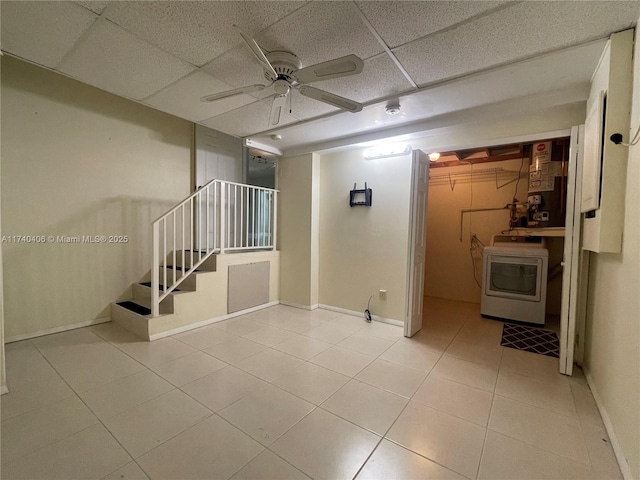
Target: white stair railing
{"type": "Point", "coordinates": [219, 217]}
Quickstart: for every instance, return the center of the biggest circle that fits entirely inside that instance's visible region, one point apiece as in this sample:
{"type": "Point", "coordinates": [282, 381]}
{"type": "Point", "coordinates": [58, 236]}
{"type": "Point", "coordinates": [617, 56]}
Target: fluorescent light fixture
{"type": "Point", "coordinates": [388, 150]}
{"type": "Point", "coordinates": [250, 143]}
{"type": "Point", "coordinates": [434, 156]}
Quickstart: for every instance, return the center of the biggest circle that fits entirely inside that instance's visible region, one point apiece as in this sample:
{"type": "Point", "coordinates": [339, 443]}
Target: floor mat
{"type": "Point", "coordinates": [530, 339]}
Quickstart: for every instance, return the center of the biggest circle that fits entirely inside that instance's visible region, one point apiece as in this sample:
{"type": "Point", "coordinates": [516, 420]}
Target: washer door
{"type": "Point", "coordinates": [513, 277]}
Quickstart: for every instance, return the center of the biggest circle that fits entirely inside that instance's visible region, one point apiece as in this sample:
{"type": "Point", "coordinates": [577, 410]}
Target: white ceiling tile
{"type": "Point", "coordinates": [379, 78]}
{"type": "Point", "coordinates": [246, 120]}
{"type": "Point", "coordinates": [304, 107]}
{"type": "Point", "coordinates": [94, 5]}
{"type": "Point", "coordinates": [560, 77]}
{"type": "Point", "coordinates": [401, 22]}
{"type": "Point", "coordinates": [521, 31]}
{"type": "Point", "coordinates": [183, 98]}
{"type": "Point", "coordinates": [112, 59]}
{"type": "Point", "coordinates": [238, 68]}
{"type": "Point", "coordinates": [321, 31]}
{"type": "Point", "coordinates": [43, 32]}
{"type": "Point", "coordinates": [196, 31]}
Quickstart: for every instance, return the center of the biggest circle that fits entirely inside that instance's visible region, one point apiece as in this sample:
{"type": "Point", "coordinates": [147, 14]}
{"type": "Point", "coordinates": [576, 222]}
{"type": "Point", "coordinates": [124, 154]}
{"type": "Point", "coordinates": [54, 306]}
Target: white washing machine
{"type": "Point", "coordinates": [514, 279]}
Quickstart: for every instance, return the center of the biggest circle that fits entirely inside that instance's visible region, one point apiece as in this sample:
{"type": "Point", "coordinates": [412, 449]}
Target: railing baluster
{"type": "Point", "coordinates": [254, 219]}
{"type": "Point", "coordinates": [275, 219]}
{"type": "Point", "coordinates": [223, 216]}
{"type": "Point", "coordinates": [155, 269]}
{"type": "Point", "coordinates": [164, 255]}
{"type": "Point", "coordinates": [182, 245]}
{"type": "Point", "coordinates": [216, 219]}
{"type": "Point", "coordinates": [268, 219]}
{"type": "Point", "coordinates": [261, 218]}
{"type": "Point", "coordinates": [235, 215]}
{"type": "Point", "coordinates": [173, 225]}
{"type": "Point", "coordinates": [208, 215]}
{"type": "Point", "coordinates": [199, 208]}
{"type": "Point", "coordinates": [191, 229]}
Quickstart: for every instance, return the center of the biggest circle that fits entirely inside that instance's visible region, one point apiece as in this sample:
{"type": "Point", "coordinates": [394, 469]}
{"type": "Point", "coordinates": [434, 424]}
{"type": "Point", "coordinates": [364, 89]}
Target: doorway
{"type": "Point", "coordinates": [471, 199]}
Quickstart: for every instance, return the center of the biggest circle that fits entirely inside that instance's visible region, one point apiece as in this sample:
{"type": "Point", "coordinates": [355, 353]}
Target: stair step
{"type": "Point", "coordinates": [134, 307]}
{"type": "Point", "coordinates": [180, 268]}
{"type": "Point", "coordinates": [148, 284]}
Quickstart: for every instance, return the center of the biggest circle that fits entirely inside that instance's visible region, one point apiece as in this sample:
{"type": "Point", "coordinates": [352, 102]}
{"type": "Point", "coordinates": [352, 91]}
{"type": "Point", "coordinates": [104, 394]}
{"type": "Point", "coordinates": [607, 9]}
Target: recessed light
{"type": "Point", "coordinates": [434, 156]}
{"type": "Point", "coordinates": [276, 137]}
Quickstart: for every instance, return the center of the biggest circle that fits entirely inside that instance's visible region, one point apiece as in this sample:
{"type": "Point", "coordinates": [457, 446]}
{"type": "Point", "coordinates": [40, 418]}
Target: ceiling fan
{"type": "Point", "coordinates": [283, 70]}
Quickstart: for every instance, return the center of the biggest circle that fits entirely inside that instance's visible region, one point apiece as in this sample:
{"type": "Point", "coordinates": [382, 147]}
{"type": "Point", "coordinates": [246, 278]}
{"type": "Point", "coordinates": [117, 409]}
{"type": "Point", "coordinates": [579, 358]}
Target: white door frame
{"type": "Point", "coordinates": [417, 242]}
{"type": "Point", "coordinates": [571, 280]}
{"type": "Point", "coordinates": [583, 257]}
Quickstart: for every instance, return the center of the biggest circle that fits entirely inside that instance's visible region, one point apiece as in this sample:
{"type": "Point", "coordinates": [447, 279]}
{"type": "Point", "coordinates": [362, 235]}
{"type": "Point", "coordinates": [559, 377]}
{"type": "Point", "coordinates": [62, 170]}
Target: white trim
{"type": "Point", "coordinates": [3, 389]}
{"type": "Point", "coordinates": [299, 305]}
{"type": "Point", "coordinates": [209, 321]}
{"type": "Point", "coordinates": [617, 449]}
{"type": "Point", "coordinates": [377, 318]}
{"type": "Point", "coordinates": [63, 328]}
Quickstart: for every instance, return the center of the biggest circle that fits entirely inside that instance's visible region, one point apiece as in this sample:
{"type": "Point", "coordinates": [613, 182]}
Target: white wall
{"type": "Point", "coordinates": [79, 161]}
{"type": "Point", "coordinates": [364, 249]}
{"type": "Point", "coordinates": [297, 229]}
{"type": "Point", "coordinates": [612, 355]}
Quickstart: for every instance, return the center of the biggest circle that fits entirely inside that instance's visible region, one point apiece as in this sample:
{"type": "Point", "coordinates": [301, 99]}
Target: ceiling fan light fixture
{"type": "Point", "coordinates": [282, 70]}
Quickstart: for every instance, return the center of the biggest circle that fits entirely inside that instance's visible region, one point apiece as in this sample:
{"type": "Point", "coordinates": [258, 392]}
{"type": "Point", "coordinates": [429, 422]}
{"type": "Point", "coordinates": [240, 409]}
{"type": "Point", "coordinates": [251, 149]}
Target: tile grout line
{"type": "Point", "coordinates": [384, 436]}
{"type": "Point", "coordinates": [98, 420]}
{"type": "Point", "coordinates": [486, 430]}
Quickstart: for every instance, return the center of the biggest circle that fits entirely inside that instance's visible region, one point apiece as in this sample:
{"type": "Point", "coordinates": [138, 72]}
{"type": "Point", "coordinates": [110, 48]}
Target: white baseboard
{"type": "Point", "coordinates": [377, 318]}
{"type": "Point", "coordinates": [3, 389]}
{"type": "Point", "coordinates": [209, 321]}
{"type": "Point", "coordinates": [299, 305]}
{"type": "Point", "coordinates": [63, 328]}
{"type": "Point", "coordinates": [615, 444]}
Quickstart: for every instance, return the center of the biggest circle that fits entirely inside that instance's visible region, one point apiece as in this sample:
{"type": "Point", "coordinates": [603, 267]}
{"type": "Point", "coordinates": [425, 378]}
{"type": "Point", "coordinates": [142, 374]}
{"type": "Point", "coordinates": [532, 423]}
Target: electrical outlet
{"type": "Point", "coordinates": [382, 295]}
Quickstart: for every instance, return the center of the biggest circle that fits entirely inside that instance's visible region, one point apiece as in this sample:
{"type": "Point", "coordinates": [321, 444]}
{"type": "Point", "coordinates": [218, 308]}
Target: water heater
{"type": "Point", "coordinates": [547, 184]}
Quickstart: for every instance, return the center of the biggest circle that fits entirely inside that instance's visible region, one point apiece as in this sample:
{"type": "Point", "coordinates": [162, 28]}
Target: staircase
{"type": "Point", "coordinates": [221, 224]}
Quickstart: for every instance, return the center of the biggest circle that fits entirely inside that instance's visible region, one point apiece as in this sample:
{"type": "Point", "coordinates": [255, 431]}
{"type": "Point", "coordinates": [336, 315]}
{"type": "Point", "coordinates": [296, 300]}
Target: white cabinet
{"type": "Point", "coordinates": [605, 164]}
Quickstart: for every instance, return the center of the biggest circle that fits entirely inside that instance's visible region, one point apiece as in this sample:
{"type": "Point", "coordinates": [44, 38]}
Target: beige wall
{"type": "Point", "coordinates": [448, 267]}
{"type": "Point", "coordinates": [364, 249]}
{"type": "Point", "coordinates": [613, 322]}
{"type": "Point", "coordinates": [3, 372]}
{"type": "Point", "coordinates": [79, 161]}
{"type": "Point", "coordinates": [297, 227]}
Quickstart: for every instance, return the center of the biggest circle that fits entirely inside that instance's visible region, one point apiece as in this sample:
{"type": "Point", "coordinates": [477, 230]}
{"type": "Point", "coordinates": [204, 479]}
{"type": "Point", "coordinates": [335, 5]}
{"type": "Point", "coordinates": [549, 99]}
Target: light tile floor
{"type": "Point", "coordinates": [284, 393]}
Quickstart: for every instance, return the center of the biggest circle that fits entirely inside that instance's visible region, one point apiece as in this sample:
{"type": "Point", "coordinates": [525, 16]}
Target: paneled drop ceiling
{"type": "Point", "coordinates": [437, 57]}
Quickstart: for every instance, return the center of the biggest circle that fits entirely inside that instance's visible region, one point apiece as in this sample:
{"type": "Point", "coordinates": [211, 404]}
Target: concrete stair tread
{"type": "Point", "coordinates": [135, 307]}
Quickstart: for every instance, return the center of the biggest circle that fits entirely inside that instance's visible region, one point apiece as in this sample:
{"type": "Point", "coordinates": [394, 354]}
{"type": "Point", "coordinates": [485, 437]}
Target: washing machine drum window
{"type": "Point", "coordinates": [518, 279]}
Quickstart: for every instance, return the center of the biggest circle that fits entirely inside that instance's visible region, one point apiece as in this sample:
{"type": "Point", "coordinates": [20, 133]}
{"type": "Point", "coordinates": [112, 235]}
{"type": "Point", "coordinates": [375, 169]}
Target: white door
{"type": "Point", "coordinates": [417, 242]}
{"type": "Point", "coordinates": [218, 157]}
{"type": "Point", "coordinates": [573, 255]}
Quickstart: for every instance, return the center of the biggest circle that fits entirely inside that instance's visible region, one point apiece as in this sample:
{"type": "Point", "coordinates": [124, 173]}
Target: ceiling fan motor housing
{"type": "Point", "coordinates": [284, 63]}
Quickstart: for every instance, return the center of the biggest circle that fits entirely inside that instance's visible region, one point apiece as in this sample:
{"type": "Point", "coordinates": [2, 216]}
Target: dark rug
{"type": "Point", "coordinates": [531, 339]}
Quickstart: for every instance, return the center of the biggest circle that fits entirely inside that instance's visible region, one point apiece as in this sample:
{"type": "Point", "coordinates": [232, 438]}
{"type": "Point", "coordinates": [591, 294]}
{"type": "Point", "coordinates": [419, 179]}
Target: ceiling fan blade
{"type": "Point", "coordinates": [231, 93]}
{"type": "Point", "coordinates": [277, 108]}
{"type": "Point", "coordinates": [257, 52]}
{"type": "Point", "coordinates": [338, 67]}
{"type": "Point", "coordinates": [331, 99]}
